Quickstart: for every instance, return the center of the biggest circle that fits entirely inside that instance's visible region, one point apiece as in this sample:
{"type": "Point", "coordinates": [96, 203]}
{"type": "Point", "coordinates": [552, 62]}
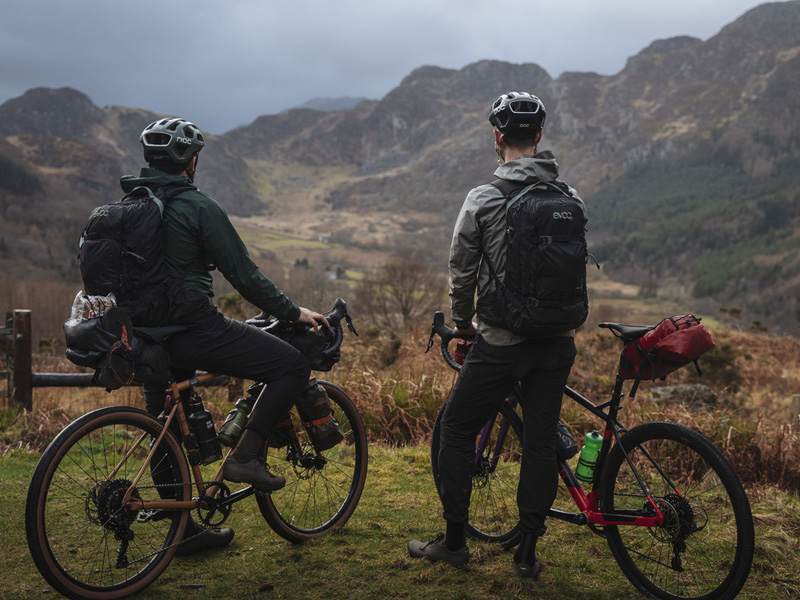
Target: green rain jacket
{"type": "Point", "coordinates": [197, 230]}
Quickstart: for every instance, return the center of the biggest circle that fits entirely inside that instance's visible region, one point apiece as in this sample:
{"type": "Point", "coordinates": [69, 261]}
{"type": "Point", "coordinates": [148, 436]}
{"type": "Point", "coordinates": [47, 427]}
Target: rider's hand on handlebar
{"type": "Point", "coordinates": [472, 330]}
{"type": "Point", "coordinates": [309, 317]}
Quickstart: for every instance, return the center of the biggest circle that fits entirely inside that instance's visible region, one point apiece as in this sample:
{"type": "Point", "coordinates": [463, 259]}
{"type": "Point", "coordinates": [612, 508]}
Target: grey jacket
{"type": "Point", "coordinates": [480, 229]}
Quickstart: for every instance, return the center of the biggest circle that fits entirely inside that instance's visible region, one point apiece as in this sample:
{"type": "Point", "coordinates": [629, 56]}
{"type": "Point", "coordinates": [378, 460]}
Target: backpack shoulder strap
{"type": "Point", "coordinates": [140, 192]}
{"type": "Point", "coordinates": [514, 190]}
{"type": "Point", "coordinates": [160, 196]}
{"type": "Point", "coordinates": [506, 187]}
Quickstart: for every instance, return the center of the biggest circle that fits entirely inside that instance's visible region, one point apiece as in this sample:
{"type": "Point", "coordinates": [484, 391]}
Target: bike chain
{"type": "Point", "coordinates": [201, 531]}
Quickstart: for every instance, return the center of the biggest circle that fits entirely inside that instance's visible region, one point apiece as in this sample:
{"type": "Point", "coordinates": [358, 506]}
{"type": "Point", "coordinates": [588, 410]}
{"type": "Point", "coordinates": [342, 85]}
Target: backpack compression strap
{"type": "Point", "coordinates": [513, 191]}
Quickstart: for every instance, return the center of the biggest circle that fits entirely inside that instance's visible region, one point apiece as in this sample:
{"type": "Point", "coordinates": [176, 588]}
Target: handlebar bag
{"type": "Point", "coordinates": [673, 343]}
{"type": "Point", "coordinates": [316, 347]}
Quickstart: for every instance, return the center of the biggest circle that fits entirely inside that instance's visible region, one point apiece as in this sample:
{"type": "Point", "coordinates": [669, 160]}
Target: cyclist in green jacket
{"type": "Point", "coordinates": [199, 237]}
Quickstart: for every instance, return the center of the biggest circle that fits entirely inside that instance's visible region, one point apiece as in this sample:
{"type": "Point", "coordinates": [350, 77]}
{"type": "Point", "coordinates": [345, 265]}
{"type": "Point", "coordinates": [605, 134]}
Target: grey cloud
{"type": "Point", "coordinates": [224, 63]}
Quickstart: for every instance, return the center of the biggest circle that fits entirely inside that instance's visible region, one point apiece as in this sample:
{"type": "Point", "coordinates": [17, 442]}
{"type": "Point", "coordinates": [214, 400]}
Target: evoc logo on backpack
{"type": "Point", "coordinates": [543, 291]}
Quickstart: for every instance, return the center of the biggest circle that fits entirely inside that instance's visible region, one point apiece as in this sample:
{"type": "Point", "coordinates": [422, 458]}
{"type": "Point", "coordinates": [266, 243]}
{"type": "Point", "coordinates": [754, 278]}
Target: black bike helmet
{"type": "Point", "coordinates": [172, 140]}
{"type": "Point", "coordinates": [518, 114]}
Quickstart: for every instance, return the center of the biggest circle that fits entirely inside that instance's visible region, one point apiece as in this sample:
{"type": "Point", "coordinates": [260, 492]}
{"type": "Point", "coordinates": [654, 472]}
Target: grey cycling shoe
{"type": "Point", "coordinates": [528, 571]}
{"type": "Point", "coordinates": [253, 472]}
{"type": "Point", "coordinates": [436, 550]}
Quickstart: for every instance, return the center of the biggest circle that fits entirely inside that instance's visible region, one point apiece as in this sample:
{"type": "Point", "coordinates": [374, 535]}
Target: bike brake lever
{"type": "Point", "coordinates": [350, 325]}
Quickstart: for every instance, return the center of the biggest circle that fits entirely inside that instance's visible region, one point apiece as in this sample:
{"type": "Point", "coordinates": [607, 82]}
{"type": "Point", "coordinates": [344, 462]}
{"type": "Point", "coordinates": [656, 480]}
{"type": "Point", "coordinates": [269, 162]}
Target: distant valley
{"type": "Point", "coordinates": [688, 159]}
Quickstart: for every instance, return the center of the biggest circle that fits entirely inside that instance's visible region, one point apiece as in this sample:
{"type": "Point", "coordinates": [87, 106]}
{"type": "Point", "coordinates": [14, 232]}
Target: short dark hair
{"type": "Point", "coordinates": [518, 142]}
{"type": "Point", "coordinates": [163, 162]}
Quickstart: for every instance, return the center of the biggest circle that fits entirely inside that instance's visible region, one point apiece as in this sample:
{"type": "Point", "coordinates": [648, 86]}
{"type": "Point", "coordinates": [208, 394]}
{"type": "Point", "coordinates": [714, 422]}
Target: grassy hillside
{"type": "Point", "coordinates": [706, 222]}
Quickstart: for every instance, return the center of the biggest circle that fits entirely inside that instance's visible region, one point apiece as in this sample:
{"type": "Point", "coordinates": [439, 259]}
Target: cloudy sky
{"type": "Point", "coordinates": [222, 63]}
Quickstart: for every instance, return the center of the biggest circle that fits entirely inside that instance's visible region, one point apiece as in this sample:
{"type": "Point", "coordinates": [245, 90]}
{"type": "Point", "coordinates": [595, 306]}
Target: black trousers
{"type": "Point", "coordinates": [217, 344]}
{"type": "Point", "coordinates": [489, 372]}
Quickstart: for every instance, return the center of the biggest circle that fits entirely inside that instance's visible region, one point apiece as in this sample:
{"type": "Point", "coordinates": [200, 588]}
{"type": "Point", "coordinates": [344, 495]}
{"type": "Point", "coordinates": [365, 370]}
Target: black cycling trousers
{"type": "Point", "coordinates": [217, 344]}
{"type": "Point", "coordinates": [543, 365]}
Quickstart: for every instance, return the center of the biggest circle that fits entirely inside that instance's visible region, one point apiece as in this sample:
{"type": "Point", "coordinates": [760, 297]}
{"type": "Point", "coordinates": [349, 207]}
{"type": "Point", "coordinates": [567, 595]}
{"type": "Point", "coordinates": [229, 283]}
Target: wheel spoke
{"type": "Point", "coordinates": [705, 546]}
{"type": "Point", "coordinates": [322, 490]}
{"type": "Point", "coordinates": [74, 517]}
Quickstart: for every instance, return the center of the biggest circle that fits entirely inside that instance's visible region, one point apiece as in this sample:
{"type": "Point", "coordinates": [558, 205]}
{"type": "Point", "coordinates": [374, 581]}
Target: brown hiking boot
{"type": "Point", "coordinates": [253, 472]}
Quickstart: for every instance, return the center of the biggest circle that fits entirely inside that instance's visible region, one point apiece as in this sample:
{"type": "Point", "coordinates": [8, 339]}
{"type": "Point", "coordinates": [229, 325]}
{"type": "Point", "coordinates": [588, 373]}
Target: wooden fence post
{"type": "Point", "coordinates": [795, 408]}
{"type": "Point", "coordinates": [23, 359]}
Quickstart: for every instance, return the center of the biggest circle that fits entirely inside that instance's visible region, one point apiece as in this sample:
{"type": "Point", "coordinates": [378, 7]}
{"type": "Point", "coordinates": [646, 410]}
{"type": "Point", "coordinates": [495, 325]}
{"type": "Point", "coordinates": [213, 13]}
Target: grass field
{"type": "Point", "coordinates": [368, 559]}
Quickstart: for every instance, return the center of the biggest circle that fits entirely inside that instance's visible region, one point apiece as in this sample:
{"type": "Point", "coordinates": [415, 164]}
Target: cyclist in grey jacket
{"type": "Point", "coordinates": [498, 358]}
{"type": "Point", "coordinates": [479, 230]}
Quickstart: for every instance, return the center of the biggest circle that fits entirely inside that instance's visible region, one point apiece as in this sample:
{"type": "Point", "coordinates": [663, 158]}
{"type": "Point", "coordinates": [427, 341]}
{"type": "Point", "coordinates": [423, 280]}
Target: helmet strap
{"type": "Point", "coordinates": [192, 169]}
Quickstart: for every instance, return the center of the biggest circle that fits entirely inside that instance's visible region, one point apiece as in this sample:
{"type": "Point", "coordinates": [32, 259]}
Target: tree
{"type": "Point", "coordinates": [402, 293]}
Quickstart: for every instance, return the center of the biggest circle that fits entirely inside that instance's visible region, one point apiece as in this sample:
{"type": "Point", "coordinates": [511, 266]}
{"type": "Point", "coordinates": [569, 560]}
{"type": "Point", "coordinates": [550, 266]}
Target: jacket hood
{"type": "Point", "coordinates": [153, 179]}
{"type": "Point", "coordinates": [530, 169]}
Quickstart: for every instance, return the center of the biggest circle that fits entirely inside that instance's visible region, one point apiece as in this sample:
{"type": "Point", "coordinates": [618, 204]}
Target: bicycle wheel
{"type": "Point", "coordinates": [322, 489]}
{"type": "Point", "coordinates": [84, 543]}
{"type": "Point", "coordinates": [493, 512]}
{"type": "Point", "coordinates": [705, 547]}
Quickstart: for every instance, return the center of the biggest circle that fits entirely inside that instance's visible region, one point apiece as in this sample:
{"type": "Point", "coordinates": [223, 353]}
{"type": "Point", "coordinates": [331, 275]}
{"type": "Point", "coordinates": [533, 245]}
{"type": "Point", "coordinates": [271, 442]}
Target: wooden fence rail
{"type": "Point", "coordinates": [20, 378]}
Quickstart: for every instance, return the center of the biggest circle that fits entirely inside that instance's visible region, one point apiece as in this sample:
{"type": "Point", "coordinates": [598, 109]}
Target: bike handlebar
{"type": "Point", "coordinates": [334, 318]}
{"type": "Point", "coordinates": [447, 335]}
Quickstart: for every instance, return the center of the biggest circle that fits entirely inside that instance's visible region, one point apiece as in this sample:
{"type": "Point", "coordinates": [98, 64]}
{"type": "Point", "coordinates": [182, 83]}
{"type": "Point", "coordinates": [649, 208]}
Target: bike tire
{"type": "Point", "coordinates": [73, 513]}
{"type": "Point", "coordinates": [705, 548]}
{"type": "Point", "coordinates": [493, 513]}
{"type": "Point", "coordinates": [322, 489]}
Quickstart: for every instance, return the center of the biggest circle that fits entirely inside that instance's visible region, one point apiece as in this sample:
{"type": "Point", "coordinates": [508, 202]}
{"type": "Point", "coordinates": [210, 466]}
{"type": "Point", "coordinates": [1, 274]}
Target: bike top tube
{"type": "Point", "coordinates": [447, 335]}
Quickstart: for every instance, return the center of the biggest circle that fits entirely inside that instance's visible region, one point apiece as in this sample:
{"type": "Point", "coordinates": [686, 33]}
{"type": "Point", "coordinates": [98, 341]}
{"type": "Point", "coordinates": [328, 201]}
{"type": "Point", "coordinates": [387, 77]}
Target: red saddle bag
{"type": "Point", "coordinates": [670, 345]}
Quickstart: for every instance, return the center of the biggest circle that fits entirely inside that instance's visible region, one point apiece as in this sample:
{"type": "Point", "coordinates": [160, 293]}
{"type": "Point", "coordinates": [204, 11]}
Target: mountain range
{"type": "Point", "coordinates": [688, 160]}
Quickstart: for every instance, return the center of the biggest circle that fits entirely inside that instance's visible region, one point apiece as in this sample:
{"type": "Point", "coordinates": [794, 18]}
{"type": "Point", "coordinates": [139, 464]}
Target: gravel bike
{"type": "Point", "coordinates": [667, 502]}
{"type": "Point", "coordinates": [99, 527]}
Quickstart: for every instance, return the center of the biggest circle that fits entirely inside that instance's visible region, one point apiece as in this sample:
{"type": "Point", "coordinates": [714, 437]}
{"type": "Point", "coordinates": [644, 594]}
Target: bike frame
{"type": "Point", "coordinates": [587, 504]}
{"type": "Point", "coordinates": [174, 411]}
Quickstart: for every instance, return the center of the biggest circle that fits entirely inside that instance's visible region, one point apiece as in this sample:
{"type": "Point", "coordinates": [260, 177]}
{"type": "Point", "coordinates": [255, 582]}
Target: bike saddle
{"type": "Point", "coordinates": [627, 333]}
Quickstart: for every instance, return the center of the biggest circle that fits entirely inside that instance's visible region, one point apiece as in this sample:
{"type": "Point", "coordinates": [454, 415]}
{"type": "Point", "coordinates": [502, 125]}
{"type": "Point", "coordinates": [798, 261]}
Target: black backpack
{"type": "Point", "coordinates": [122, 251]}
{"type": "Point", "coordinates": [544, 288]}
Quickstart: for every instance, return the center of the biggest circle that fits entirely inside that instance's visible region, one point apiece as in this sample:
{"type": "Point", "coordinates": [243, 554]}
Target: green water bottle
{"type": "Point", "coordinates": [232, 428]}
{"type": "Point", "coordinates": [588, 458]}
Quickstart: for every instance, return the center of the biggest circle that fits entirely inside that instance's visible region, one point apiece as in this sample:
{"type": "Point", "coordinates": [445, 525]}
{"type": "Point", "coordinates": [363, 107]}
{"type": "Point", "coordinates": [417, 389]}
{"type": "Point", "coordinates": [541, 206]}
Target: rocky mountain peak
{"type": "Point", "coordinates": [62, 112]}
